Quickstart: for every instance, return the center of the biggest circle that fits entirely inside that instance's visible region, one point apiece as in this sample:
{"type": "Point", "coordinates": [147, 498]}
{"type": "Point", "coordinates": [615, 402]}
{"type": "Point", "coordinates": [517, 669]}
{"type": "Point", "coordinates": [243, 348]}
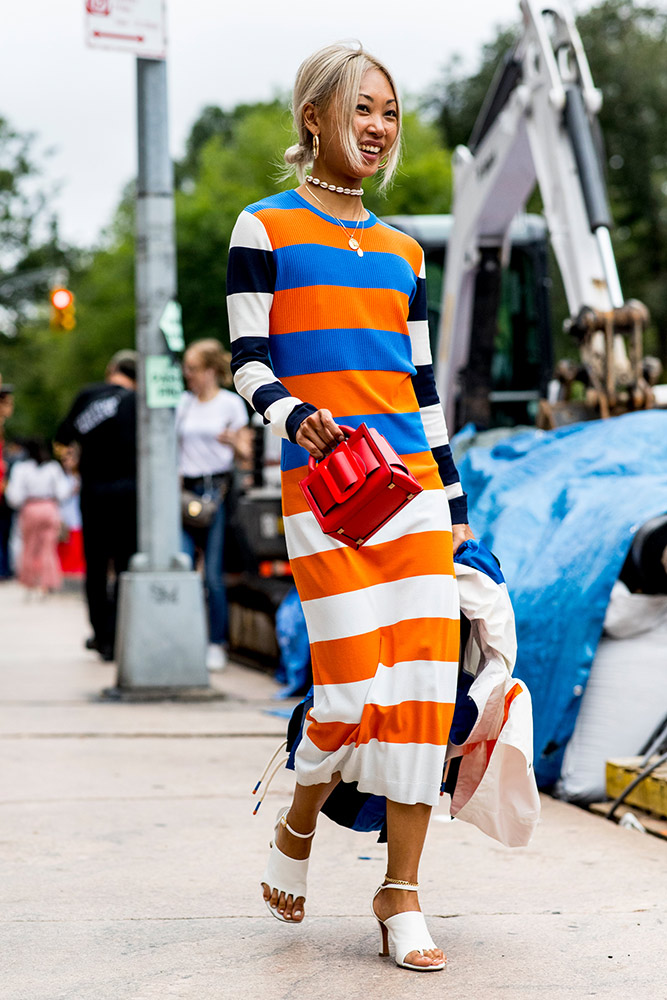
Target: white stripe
{"type": "Point", "coordinates": [454, 491]}
{"type": "Point", "coordinates": [252, 377]}
{"type": "Point", "coordinates": [250, 232]}
{"type": "Point", "coordinates": [249, 314]}
{"type": "Point", "coordinates": [427, 512]}
{"type": "Point", "coordinates": [405, 772]}
{"type": "Point", "coordinates": [278, 413]}
{"type": "Point", "coordinates": [422, 268]}
{"type": "Point", "coordinates": [435, 427]}
{"type": "Point", "coordinates": [359, 611]}
{"type": "Point", "coordinates": [421, 348]}
{"type": "Point", "coordinates": [414, 680]}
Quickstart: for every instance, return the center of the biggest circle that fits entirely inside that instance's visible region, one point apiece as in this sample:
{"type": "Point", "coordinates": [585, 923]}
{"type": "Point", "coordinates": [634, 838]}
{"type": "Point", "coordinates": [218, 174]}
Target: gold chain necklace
{"type": "Point", "coordinates": [352, 241]}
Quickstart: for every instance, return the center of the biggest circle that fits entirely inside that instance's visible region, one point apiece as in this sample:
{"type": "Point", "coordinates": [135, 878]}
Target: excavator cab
{"type": "Point", "coordinates": [511, 356]}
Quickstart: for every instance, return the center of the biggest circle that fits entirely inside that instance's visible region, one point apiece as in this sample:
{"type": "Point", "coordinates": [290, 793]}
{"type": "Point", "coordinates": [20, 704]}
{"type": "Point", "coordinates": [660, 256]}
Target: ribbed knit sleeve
{"type": "Point", "coordinates": [251, 279]}
{"type": "Point", "coordinates": [430, 409]}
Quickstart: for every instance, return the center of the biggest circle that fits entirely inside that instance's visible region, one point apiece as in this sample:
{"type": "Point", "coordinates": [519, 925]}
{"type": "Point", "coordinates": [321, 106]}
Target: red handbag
{"type": "Point", "coordinates": [358, 487]}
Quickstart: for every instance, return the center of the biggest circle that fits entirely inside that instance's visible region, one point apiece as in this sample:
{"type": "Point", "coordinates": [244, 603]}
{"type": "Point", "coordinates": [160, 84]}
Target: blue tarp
{"type": "Point", "coordinates": [559, 509]}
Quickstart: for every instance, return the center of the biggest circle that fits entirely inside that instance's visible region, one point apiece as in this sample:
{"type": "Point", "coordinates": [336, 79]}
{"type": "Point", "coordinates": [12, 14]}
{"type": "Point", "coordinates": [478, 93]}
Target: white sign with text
{"type": "Point", "coordinates": [136, 26]}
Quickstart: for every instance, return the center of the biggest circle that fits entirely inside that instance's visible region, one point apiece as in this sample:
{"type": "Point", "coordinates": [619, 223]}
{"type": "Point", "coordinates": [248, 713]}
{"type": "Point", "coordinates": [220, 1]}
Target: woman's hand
{"type": "Point", "coordinates": [461, 533]}
{"type": "Point", "coordinates": [241, 441]}
{"type": "Point", "coordinates": [319, 434]}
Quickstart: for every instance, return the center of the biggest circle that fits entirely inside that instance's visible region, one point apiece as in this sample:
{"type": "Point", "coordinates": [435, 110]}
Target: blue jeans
{"type": "Point", "coordinates": [212, 541]}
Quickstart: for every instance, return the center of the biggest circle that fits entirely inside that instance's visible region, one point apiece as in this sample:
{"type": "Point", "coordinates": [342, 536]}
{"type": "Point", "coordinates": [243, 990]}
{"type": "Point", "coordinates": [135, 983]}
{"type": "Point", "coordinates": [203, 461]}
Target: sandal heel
{"type": "Point", "coordinates": [384, 941]}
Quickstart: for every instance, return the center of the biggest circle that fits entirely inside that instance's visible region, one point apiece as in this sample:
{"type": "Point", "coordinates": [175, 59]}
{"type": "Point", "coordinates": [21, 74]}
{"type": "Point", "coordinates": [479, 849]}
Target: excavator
{"type": "Point", "coordinates": [538, 127]}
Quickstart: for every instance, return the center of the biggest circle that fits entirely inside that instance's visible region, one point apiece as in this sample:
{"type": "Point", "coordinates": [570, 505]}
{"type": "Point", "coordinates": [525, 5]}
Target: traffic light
{"type": "Point", "coordinates": [62, 309]}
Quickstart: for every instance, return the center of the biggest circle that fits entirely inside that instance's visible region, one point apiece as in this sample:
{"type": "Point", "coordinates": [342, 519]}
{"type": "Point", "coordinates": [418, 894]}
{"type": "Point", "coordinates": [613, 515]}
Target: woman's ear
{"type": "Point", "coordinates": [311, 119]}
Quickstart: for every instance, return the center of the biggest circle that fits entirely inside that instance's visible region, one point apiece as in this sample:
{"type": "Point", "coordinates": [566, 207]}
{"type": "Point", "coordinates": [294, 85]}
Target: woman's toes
{"type": "Point", "coordinates": [266, 892]}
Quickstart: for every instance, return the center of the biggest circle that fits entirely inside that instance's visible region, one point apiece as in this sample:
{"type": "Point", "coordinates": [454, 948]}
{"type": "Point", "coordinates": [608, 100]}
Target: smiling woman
{"type": "Point", "coordinates": [327, 304]}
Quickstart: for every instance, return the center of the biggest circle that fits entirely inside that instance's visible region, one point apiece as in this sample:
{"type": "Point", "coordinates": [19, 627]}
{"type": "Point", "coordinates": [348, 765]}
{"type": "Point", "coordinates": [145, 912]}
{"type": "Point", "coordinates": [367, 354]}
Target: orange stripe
{"type": "Point", "coordinates": [289, 227]}
{"type": "Point", "coordinates": [355, 658]}
{"type": "Point", "coordinates": [340, 571]}
{"type": "Point", "coordinates": [324, 307]}
{"type": "Point", "coordinates": [422, 465]}
{"type": "Point", "coordinates": [409, 722]}
{"type": "Point", "coordinates": [351, 392]}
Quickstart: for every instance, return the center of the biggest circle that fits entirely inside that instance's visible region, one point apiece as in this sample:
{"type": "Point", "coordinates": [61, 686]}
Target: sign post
{"type": "Point", "coordinates": [161, 632]}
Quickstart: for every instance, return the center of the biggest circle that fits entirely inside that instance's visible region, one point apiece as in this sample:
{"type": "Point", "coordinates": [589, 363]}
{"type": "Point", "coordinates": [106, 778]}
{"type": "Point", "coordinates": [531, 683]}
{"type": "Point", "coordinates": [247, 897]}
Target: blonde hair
{"type": "Point", "coordinates": [334, 74]}
{"type": "Point", "coordinates": [213, 355]}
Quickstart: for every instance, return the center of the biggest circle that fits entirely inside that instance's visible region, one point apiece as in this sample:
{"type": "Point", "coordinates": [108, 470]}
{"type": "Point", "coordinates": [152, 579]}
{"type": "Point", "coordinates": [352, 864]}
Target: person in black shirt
{"type": "Point", "coordinates": [102, 421]}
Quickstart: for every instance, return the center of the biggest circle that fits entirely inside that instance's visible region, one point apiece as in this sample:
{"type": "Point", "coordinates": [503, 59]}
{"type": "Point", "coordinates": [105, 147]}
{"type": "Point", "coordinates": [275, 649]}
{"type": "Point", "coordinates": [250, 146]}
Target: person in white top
{"type": "Point", "coordinates": [36, 487]}
{"type": "Point", "coordinates": [211, 424]}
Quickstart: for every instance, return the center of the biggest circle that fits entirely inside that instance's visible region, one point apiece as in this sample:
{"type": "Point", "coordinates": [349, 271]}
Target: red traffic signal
{"type": "Point", "coordinates": [62, 309]}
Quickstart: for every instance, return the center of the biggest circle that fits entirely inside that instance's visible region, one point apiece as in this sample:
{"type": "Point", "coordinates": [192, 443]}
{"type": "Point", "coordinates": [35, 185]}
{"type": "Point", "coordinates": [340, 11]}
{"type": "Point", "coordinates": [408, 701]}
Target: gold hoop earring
{"type": "Point", "coordinates": [382, 165]}
{"type": "Point", "coordinates": [316, 146]}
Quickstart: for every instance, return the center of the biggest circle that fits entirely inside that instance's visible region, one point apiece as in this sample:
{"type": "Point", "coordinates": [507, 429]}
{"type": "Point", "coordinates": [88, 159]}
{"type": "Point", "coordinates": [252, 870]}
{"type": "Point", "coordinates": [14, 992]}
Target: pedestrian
{"type": "Point", "coordinates": [102, 420]}
{"type": "Point", "coordinates": [211, 427]}
{"type": "Point", "coordinates": [6, 513]}
{"type": "Point", "coordinates": [328, 320]}
{"type": "Point", "coordinates": [37, 486]}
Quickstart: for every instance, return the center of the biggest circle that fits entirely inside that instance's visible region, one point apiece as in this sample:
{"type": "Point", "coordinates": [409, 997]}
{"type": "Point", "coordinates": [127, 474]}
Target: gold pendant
{"type": "Point", "coordinates": [352, 243]}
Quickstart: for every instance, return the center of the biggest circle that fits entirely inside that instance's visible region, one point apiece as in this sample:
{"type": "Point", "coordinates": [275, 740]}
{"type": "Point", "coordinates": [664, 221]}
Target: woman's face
{"type": "Point", "coordinates": [198, 377]}
{"type": "Point", "coordinates": [375, 130]}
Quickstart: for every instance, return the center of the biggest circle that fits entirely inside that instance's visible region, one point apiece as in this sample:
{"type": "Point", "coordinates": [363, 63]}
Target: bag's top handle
{"type": "Point", "coordinates": [347, 431]}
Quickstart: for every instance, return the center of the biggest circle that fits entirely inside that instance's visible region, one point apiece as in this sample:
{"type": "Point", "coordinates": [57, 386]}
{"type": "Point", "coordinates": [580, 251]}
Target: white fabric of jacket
{"type": "Point", "coordinates": [496, 788]}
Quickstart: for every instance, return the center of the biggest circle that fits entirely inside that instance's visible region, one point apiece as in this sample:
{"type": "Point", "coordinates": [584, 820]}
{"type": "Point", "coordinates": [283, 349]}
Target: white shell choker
{"type": "Point", "coordinates": [316, 182]}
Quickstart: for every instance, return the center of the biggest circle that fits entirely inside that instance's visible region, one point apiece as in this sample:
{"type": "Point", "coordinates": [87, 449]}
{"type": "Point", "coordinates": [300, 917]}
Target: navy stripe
{"type": "Point", "coordinates": [250, 270]}
{"type": "Point", "coordinates": [247, 349]}
{"type": "Point", "coordinates": [458, 509]}
{"type": "Point", "coordinates": [310, 264]}
{"type": "Point", "coordinates": [292, 424]}
{"type": "Point", "coordinates": [267, 394]}
{"type": "Point", "coordinates": [309, 352]}
{"type": "Point", "coordinates": [404, 431]}
{"type": "Point", "coordinates": [448, 472]}
{"type": "Point", "coordinates": [424, 385]}
{"type": "Point", "coordinates": [418, 303]}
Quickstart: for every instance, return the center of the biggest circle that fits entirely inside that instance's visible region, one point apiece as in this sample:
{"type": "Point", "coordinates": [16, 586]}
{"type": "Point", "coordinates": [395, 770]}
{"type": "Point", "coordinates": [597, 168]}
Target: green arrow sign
{"type": "Point", "coordinates": [172, 326]}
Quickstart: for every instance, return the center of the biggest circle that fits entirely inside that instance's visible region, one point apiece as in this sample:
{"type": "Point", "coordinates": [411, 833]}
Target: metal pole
{"type": "Point", "coordinates": [155, 286]}
{"type": "Point", "coordinates": [161, 634]}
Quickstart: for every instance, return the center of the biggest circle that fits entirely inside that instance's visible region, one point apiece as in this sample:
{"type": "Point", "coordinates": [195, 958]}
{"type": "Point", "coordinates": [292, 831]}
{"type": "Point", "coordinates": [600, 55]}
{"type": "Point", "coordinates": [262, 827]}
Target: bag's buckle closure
{"type": "Point", "coordinates": [343, 473]}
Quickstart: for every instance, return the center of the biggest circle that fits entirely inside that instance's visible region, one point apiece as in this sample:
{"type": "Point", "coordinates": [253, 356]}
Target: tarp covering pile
{"type": "Point", "coordinates": [559, 509]}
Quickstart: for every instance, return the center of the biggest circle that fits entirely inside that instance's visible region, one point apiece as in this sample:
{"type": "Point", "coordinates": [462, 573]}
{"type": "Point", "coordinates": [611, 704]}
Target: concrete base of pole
{"type": "Point", "coordinates": [161, 635]}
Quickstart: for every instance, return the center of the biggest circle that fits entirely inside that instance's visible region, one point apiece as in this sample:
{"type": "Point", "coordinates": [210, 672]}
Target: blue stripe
{"type": "Point", "coordinates": [309, 352]}
{"type": "Point", "coordinates": [476, 554]}
{"type": "Point", "coordinates": [247, 349]}
{"type": "Point", "coordinates": [283, 199]}
{"type": "Point", "coordinates": [418, 303]}
{"type": "Point", "coordinates": [403, 431]}
{"type": "Point", "coordinates": [250, 270]}
{"type": "Point", "coordinates": [267, 394]}
{"type": "Point", "coordinates": [309, 264]}
{"type": "Point", "coordinates": [294, 421]}
{"type": "Point", "coordinates": [424, 385]}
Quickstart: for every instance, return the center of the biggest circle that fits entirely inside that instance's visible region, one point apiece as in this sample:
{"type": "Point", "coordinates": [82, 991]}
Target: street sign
{"type": "Point", "coordinates": [171, 324]}
{"type": "Point", "coordinates": [135, 26]}
{"type": "Point", "coordinates": [164, 382]}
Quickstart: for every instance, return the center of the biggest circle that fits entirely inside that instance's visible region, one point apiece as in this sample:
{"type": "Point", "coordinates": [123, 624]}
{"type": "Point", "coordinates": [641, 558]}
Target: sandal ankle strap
{"type": "Point", "coordinates": [301, 836]}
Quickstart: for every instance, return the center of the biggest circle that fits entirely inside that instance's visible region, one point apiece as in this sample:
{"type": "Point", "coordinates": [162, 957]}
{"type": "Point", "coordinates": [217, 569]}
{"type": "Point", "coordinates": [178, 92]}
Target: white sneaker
{"type": "Point", "coordinates": [216, 656]}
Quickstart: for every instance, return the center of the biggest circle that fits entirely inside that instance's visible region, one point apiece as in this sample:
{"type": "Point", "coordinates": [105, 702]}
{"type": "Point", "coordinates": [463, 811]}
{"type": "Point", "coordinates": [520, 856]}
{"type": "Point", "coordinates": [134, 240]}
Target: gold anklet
{"type": "Point", "coordinates": [400, 881]}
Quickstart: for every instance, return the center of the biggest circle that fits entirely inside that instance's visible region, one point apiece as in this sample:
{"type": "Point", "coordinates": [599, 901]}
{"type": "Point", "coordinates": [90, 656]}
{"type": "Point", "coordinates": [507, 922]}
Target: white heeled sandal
{"type": "Point", "coordinates": [285, 874]}
{"type": "Point", "coordinates": [405, 932]}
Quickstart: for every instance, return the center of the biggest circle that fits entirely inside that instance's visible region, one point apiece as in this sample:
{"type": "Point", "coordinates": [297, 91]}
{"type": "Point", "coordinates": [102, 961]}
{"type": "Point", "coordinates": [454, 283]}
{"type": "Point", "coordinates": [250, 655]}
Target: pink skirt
{"type": "Point", "coordinates": [39, 565]}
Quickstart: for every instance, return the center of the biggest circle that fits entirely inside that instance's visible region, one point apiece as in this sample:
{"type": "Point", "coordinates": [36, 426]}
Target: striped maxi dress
{"type": "Point", "coordinates": [313, 325]}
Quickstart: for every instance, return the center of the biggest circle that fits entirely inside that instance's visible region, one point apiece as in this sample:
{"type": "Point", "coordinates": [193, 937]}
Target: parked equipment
{"type": "Point", "coordinates": [538, 125]}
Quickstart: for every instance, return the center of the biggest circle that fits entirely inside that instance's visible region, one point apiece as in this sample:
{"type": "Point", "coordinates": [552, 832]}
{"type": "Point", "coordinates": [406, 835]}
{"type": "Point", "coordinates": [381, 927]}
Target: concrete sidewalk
{"type": "Point", "coordinates": [130, 860]}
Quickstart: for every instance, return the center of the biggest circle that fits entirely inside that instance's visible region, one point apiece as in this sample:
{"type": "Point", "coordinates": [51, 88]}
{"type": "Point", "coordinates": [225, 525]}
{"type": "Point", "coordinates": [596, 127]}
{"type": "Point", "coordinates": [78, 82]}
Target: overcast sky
{"type": "Point", "coordinates": [82, 101]}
